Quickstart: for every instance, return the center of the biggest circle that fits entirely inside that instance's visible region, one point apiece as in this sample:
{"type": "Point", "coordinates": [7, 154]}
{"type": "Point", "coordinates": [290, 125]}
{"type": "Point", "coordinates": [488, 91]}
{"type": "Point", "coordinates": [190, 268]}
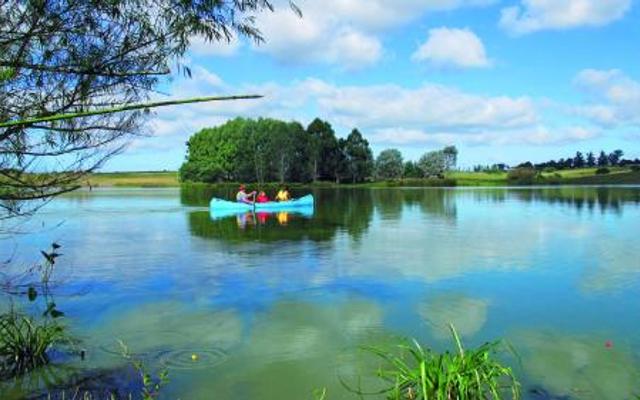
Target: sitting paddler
{"type": "Point", "coordinates": [243, 197]}
{"type": "Point", "coordinates": [262, 197]}
{"type": "Point", "coordinates": [283, 194]}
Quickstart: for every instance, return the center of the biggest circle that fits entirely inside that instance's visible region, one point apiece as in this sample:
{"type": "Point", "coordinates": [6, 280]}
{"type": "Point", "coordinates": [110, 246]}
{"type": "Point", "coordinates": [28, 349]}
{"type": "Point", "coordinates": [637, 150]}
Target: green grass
{"type": "Point", "coordinates": [133, 179]}
{"type": "Point", "coordinates": [479, 178]}
{"type": "Point", "coordinates": [613, 178]}
{"type": "Point", "coordinates": [583, 176]}
{"type": "Point", "coordinates": [420, 373]}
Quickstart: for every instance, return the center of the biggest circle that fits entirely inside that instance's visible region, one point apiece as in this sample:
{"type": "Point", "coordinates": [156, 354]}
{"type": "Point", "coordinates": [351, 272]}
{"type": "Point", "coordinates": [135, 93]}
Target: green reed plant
{"type": "Point", "coordinates": [26, 339]}
{"type": "Point", "coordinates": [151, 385]}
{"type": "Point", "coordinates": [465, 374]}
{"type": "Point", "coordinates": [25, 342]}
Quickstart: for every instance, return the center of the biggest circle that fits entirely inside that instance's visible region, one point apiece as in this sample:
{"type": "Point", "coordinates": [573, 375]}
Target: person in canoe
{"type": "Point", "coordinates": [283, 194]}
{"type": "Point", "coordinates": [243, 197]}
{"type": "Point", "coordinates": [262, 197]}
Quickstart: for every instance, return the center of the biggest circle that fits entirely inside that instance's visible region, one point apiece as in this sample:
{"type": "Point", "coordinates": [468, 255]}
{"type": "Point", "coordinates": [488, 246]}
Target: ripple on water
{"type": "Point", "coordinates": [184, 358]}
{"type": "Point", "coordinates": [187, 358]}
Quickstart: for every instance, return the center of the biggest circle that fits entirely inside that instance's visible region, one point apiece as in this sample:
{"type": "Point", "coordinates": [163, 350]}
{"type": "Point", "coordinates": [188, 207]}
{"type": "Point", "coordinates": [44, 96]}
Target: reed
{"type": "Point", "coordinates": [420, 373]}
{"type": "Point", "coordinates": [25, 343]}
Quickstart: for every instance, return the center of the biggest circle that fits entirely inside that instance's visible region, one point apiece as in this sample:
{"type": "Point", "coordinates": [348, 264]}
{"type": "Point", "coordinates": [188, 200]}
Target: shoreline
{"type": "Point", "coordinates": [166, 179]}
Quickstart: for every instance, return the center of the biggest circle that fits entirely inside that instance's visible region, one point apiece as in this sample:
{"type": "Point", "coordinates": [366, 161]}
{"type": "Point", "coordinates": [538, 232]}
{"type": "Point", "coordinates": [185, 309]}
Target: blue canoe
{"type": "Point", "coordinates": [304, 211]}
{"type": "Point", "coordinates": [225, 205]}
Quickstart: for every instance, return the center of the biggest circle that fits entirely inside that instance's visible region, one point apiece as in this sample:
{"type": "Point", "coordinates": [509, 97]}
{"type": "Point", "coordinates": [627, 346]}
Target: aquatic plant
{"type": "Point", "coordinates": [25, 342]}
{"type": "Point", "coordinates": [462, 374]}
{"type": "Point", "coordinates": [151, 384]}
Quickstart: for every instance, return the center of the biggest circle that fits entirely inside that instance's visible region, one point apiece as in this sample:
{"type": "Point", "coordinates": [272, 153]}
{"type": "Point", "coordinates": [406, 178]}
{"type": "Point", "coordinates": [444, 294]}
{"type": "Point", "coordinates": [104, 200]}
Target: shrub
{"type": "Point", "coordinates": [522, 176]}
{"type": "Point", "coordinates": [635, 167]}
{"type": "Point", "coordinates": [25, 343]}
{"type": "Point", "coordinates": [463, 374]}
{"type": "Point", "coordinates": [602, 171]}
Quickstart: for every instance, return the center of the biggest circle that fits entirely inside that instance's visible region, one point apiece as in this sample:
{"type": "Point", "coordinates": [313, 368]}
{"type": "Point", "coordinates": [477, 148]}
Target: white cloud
{"type": "Point", "coordinates": [380, 14]}
{"type": "Point", "coordinates": [450, 47]}
{"type": "Point", "coordinates": [430, 105]}
{"type": "Point", "coordinates": [430, 114]}
{"type": "Point", "coordinates": [613, 97]}
{"type": "Point", "coordinates": [537, 15]}
{"type": "Point", "coordinates": [294, 40]}
{"type": "Point", "coordinates": [537, 135]}
{"type": "Point", "coordinates": [348, 35]}
{"type": "Point", "coordinates": [221, 48]}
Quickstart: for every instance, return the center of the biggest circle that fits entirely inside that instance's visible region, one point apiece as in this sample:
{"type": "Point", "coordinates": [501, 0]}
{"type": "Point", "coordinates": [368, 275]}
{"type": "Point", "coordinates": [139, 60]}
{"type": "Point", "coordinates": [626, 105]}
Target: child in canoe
{"type": "Point", "coordinates": [283, 194]}
{"type": "Point", "coordinates": [262, 197]}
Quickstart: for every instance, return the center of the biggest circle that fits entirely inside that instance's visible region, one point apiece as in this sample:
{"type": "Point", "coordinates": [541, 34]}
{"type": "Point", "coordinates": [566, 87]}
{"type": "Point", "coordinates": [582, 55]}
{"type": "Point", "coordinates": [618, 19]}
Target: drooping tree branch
{"type": "Point", "coordinates": [131, 107]}
{"type": "Point", "coordinates": [77, 75]}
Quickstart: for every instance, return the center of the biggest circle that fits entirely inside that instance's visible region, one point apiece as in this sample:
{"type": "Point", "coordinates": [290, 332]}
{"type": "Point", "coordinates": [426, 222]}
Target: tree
{"type": "Point", "coordinates": [59, 57]}
{"type": "Point", "coordinates": [433, 163]}
{"type": "Point", "coordinates": [248, 150]}
{"type": "Point", "coordinates": [389, 164]}
{"type": "Point", "coordinates": [615, 156]}
{"type": "Point", "coordinates": [359, 157]}
{"type": "Point", "coordinates": [591, 159]}
{"type": "Point", "coordinates": [213, 154]}
{"type": "Point", "coordinates": [411, 170]}
{"type": "Point", "coordinates": [450, 157]}
{"type": "Point", "coordinates": [300, 168]}
{"type": "Point", "coordinates": [603, 160]}
{"type": "Point", "coordinates": [578, 160]}
{"type": "Point", "coordinates": [326, 154]}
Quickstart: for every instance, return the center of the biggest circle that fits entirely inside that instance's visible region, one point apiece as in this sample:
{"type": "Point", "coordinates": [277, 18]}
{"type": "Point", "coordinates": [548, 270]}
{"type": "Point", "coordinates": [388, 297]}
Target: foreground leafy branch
{"type": "Point", "coordinates": [130, 107]}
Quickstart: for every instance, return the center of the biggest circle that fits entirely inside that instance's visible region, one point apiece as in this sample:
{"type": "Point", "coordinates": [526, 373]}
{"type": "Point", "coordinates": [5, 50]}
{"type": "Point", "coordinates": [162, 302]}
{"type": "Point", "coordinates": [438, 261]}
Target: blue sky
{"type": "Point", "coordinates": [504, 80]}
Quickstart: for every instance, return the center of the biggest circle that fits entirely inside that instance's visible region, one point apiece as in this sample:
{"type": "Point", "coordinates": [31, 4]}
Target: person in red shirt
{"type": "Point", "coordinates": [262, 198]}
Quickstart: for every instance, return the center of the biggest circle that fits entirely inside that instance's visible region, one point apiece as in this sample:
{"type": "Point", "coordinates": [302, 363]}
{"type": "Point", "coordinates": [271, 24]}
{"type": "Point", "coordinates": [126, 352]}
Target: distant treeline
{"type": "Point", "coordinates": [270, 150]}
{"type": "Point", "coordinates": [580, 160]}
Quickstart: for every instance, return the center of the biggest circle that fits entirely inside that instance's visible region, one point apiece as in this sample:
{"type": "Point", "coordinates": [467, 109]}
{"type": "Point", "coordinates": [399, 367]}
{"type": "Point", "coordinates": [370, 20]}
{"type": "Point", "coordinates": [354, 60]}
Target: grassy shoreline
{"type": "Point", "coordinates": [584, 176]}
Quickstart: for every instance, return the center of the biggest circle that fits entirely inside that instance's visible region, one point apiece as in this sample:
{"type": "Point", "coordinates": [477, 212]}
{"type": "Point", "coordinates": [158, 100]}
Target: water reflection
{"type": "Point", "coordinates": [603, 199]}
{"type": "Point", "coordinates": [276, 302]}
{"type": "Point", "coordinates": [577, 366]}
{"type": "Point", "coordinates": [468, 315]}
{"type": "Point", "coordinates": [294, 348]}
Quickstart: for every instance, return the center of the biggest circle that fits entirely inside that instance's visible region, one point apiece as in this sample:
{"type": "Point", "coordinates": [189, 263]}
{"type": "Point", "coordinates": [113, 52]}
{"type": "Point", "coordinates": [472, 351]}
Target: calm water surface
{"type": "Point", "coordinates": [276, 305]}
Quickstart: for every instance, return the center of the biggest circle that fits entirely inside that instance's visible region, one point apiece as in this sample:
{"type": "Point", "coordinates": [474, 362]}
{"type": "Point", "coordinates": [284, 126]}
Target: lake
{"type": "Point", "coordinates": [277, 305]}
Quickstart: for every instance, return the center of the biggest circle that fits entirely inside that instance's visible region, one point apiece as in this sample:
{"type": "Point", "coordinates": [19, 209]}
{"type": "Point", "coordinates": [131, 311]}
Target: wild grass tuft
{"type": "Point", "coordinates": [420, 373]}
{"type": "Point", "coordinates": [24, 343]}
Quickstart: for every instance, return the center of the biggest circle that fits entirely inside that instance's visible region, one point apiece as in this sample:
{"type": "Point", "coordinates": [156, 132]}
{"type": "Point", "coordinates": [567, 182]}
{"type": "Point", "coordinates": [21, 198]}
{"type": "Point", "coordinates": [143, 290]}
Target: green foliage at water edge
{"type": "Point", "coordinates": [420, 373]}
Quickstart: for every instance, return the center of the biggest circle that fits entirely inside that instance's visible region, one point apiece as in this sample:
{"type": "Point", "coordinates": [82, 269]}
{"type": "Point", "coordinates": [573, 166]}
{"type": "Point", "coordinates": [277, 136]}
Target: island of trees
{"type": "Point", "coordinates": [270, 150]}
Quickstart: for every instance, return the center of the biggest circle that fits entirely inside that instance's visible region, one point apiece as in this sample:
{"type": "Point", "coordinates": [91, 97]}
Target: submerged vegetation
{"type": "Point", "coordinates": [420, 373]}
{"type": "Point", "coordinates": [27, 339]}
{"type": "Point", "coordinates": [25, 342]}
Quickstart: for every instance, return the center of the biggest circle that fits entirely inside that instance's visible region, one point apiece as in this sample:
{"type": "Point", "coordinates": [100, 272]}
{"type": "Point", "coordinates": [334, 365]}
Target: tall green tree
{"type": "Point", "coordinates": [411, 170]}
{"type": "Point", "coordinates": [213, 154]}
{"type": "Point", "coordinates": [358, 156]}
{"type": "Point", "coordinates": [389, 164]}
{"type": "Point", "coordinates": [450, 154]}
{"type": "Point", "coordinates": [433, 164]}
{"type": "Point", "coordinates": [578, 160]}
{"type": "Point", "coordinates": [603, 160]}
{"type": "Point", "coordinates": [301, 167]}
{"type": "Point", "coordinates": [615, 156]}
{"type": "Point", "coordinates": [326, 153]}
{"type": "Point", "coordinates": [591, 159]}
